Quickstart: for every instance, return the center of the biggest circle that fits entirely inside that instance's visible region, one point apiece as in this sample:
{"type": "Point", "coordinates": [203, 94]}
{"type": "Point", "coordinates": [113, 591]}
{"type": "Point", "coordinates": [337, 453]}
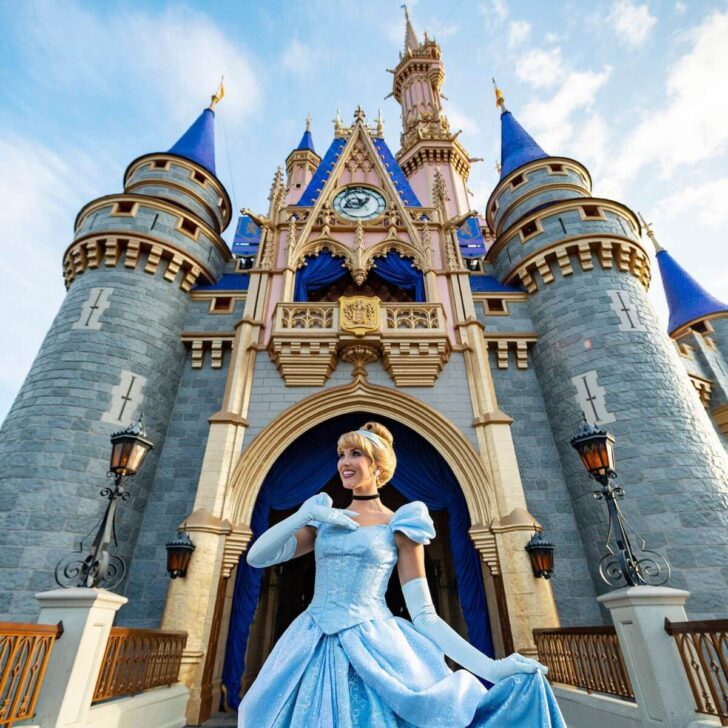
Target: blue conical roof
{"type": "Point", "coordinates": [517, 146]}
{"type": "Point", "coordinates": [687, 300]}
{"type": "Point", "coordinates": [306, 142]}
{"type": "Point", "coordinates": [198, 143]}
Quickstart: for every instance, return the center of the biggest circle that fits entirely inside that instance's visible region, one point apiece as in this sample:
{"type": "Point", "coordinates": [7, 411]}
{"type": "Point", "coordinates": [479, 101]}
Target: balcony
{"type": "Point", "coordinates": [308, 339]}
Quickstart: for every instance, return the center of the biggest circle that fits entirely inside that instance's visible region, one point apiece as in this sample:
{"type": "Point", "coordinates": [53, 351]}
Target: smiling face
{"type": "Point", "coordinates": [356, 470]}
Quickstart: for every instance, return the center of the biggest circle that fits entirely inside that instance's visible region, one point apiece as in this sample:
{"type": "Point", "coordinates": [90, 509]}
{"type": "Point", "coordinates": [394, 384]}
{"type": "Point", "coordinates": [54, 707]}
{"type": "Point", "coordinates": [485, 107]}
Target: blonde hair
{"type": "Point", "coordinates": [383, 457]}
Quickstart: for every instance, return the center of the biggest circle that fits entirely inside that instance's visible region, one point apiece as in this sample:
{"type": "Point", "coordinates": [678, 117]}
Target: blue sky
{"type": "Point", "coordinates": [635, 89]}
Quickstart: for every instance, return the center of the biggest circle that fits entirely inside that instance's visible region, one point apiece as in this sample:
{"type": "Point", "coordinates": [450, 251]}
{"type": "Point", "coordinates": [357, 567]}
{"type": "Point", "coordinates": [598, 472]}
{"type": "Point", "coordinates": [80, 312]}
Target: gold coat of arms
{"type": "Point", "coordinates": [359, 314]}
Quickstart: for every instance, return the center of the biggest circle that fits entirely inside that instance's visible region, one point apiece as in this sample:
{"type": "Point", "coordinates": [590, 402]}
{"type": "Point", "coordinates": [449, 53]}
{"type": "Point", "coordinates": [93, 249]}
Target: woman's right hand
{"type": "Point", "coordinates": [314, 510]}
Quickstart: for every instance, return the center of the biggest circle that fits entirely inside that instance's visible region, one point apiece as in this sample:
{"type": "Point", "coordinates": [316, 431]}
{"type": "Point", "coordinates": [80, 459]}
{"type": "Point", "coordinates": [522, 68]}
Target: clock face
{"type": "Point", "coordinates": [359, 203]}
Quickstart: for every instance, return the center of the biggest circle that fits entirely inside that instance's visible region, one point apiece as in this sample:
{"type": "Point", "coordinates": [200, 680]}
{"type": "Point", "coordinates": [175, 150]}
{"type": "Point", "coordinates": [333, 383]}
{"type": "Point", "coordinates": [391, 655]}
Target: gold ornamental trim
{"type": "Point", "coordinates": [359, 315]}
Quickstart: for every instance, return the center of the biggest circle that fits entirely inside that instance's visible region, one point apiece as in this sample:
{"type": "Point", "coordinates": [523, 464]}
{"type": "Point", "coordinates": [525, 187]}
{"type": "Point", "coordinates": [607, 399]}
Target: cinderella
{"type": "Point", "coordinates": [347, 661]}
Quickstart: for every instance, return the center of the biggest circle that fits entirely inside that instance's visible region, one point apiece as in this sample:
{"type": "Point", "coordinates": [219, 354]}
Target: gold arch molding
{"type": "Point", "coordinates": [250, 471]}
{"type": "Point", "coordinates": [314, 247]}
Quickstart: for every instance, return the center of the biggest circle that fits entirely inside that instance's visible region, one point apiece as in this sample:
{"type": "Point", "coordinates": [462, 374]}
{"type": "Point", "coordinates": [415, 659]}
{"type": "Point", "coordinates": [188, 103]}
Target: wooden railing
{"type": "Point", "coordinates": [24, 653]}
{"type": "Point", "coordinates": [585, 657]}
{"type": "Point", "coordinates": [137, 660]}
{"type": "Point", "coordinates": [703, 648]}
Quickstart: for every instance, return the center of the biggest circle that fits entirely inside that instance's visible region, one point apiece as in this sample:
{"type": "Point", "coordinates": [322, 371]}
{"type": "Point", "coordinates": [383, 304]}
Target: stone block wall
{"type": "Point", "coordinates": [172, 494]}
{"type": "Point", "coordinates": [519, 396]}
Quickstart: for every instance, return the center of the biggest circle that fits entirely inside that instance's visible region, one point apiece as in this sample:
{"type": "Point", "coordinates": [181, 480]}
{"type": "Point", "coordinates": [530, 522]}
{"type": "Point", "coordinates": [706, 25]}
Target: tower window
{"type": "Point", "coordinates": [591, 211]}
{"type": "Point", "coordinates": [124, 207]}
{"type": "Point", "coordinates": [221, 304]}
{"type": "Point", "coordinates": [557, 168]}
{"type": "Point", "coordinates": [188, 227]}
{"type": "Point", "coordinates": [528, 230]}
{"type": "Point", "coordinates": [198, 177]}
{"type": "Point", "coordinates": [519, 179]}
{"type": "Point", "coordinates": [160, 164]}
{"type": "Point", "coordinates": [495, 306]}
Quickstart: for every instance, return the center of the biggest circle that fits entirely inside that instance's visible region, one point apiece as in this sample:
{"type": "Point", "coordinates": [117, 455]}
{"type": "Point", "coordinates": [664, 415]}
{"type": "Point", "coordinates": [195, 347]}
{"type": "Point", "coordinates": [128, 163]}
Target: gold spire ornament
{"type": "Point", "coordinates": [650, 233]}
{"type": "Point", "coordinates": [499, 98]}
{"type": "Point", "coordinates": [218, 95]}
{"type": "Point", "coordinates": [308, 121]}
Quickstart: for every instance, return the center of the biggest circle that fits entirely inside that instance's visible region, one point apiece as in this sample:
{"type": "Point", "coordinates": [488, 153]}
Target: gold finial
{"type": "Point", "coordinates": [359, 114]}
{"type": "Point", "coordinates": [499, 100]}
{"type": "Point", "coordinates": [380, 124]}
{"type": "Point", "coordinates": [218, 95]}
{"type": "Point", "coordinates": [337, 121]}
{"type": "Point", "coordinates": [498, 166]}
{"type": "Point", "coordinates": [308, 121]}
{"type": "Point", "coordinates": [650, 233]}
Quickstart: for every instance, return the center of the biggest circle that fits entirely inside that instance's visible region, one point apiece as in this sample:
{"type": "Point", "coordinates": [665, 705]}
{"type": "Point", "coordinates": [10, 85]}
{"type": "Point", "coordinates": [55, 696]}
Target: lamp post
{"type": "Point", "coordinates": [623, 564]}
{"type": "Point", "coordinates": [95, 566]}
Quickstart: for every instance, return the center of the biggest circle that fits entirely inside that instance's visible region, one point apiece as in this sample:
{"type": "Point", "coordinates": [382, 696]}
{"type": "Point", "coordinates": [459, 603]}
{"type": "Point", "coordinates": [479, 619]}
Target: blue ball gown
{"type": "Point", "coordinates": [348, 662]}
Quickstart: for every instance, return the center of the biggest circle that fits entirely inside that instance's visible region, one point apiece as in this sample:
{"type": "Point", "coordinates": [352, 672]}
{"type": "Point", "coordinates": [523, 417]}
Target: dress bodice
{"type": "Point", "coordinates": [353, 566]}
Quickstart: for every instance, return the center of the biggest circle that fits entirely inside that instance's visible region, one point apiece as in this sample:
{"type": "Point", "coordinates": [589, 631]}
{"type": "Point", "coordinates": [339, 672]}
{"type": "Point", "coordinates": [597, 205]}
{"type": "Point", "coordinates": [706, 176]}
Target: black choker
{"type": "Point", "coordinates": [365, 497]}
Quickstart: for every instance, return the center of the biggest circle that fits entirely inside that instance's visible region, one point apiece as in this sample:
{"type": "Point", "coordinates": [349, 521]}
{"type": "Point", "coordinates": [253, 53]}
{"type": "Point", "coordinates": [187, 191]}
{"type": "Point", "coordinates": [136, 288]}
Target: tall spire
{"type": "Point", "coordinates": [687, 301]}
{"type": "Point", "coordinates": [198, 143]}
{"type": "Point", "coordinates": [411, 42]}
{"type": "Point", "coordinates": [518, 147]}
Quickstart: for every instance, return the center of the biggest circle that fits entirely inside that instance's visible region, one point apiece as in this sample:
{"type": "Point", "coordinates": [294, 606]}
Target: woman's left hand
{"type": "Point", "coordinates": [515, 663]}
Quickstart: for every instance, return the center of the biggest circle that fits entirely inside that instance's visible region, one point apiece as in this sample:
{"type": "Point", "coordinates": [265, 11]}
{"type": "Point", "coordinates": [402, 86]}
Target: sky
{"type": "Point", "coordinates": [635, 90]}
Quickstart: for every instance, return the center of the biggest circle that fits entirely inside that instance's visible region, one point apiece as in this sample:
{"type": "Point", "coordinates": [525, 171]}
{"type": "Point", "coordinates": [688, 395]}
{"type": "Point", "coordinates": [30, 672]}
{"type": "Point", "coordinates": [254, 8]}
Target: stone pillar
{"type": "Point", "coordinates": [651, 657]}
{"type": "Point", "coordinates": [70, 680]}
{"type": "Point", "coordinates": [190, 605]}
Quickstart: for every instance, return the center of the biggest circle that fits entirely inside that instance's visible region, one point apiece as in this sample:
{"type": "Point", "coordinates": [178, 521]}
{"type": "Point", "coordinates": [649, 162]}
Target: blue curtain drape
{"type": "Point", "coordinates": [320, 271]}
{"type": "Point", "coordinates": [303, 470]}
{"type": "Point", "coordinates": [324, 269]}
{"type": "Point", "coordinates": [399, 271]}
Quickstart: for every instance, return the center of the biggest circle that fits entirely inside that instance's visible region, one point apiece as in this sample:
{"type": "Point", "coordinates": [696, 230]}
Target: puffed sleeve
{"type": "Point", "coordinates": [320, 499]}
{"type": "Point", "coordinates": [413, 520]}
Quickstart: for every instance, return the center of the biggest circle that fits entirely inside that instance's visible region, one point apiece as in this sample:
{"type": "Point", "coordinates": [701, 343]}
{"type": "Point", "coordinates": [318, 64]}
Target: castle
{"type": "Point", "coordinates": [369, 289]}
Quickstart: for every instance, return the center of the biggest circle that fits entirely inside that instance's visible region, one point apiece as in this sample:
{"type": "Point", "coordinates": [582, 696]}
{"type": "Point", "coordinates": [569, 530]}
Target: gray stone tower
{"type": "Point", "coordinates": [601, 354]}
{"type": "Point", "coordinates": [112, 352]}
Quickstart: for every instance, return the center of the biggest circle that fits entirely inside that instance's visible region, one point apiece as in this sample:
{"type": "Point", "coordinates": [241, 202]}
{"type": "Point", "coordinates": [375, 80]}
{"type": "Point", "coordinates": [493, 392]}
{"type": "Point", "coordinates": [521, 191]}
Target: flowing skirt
{"type": "Point", "coordinates": [383, 673]}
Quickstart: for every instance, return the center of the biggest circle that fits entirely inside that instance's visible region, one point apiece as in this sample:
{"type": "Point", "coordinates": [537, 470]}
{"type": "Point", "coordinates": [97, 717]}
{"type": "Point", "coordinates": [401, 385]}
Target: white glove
{"type": "Point", "coordinates": [424, 617]}
{"type": "Point", "coordinates": [279, 542]}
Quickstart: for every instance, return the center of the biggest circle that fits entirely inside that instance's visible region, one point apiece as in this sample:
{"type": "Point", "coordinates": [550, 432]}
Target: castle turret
{"type": "Point", "coordinates": [601, 354]}
{"type": "Point", "coordinates": [699, 326]}
{"type": "Point", "coordinates": [113, 351]}
{"type": "Point", "coordinates": [301, 163]}
{"type": "Point", "coordinates": [428, 145]}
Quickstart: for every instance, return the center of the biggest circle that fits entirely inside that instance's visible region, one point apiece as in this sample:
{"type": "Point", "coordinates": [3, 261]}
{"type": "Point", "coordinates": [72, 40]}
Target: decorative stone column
{"type": "Point", "coordinates": [70, 679]}
{"type": "Point", "coordinates": [653, 663]}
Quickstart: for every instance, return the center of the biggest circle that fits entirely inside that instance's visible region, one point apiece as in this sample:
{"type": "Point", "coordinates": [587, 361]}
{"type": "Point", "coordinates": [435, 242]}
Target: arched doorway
{"type": "Point", "coordinates": [273, 599]}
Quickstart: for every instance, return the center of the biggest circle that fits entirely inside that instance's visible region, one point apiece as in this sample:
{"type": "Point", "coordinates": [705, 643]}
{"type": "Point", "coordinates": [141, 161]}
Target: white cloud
{"type": "Point", "coordinates": [550, 121]}
{"type": "Point", "coordinates": [495, 11]}
{"type": "Point", "coordinates": [691, 127]}
{"type": "Point", "coordinates": [298, 58]}
{"type": "Point", "coordinates": [175, 57]}
{"type": "Point", "coordinates": [541, 68]}
{"type": "Point", "coordinates": [42, 191]}
{"type": "Point", "coordinates": [704, 202]}
{"type": "Point", "coordinates": [631, 22]}
{"type": "Point", "coordinates": [460, 120]}
{"type": "Point", "coordinates": [680, 7]}
{"type": "Point", "coordinates": [518, 31]}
